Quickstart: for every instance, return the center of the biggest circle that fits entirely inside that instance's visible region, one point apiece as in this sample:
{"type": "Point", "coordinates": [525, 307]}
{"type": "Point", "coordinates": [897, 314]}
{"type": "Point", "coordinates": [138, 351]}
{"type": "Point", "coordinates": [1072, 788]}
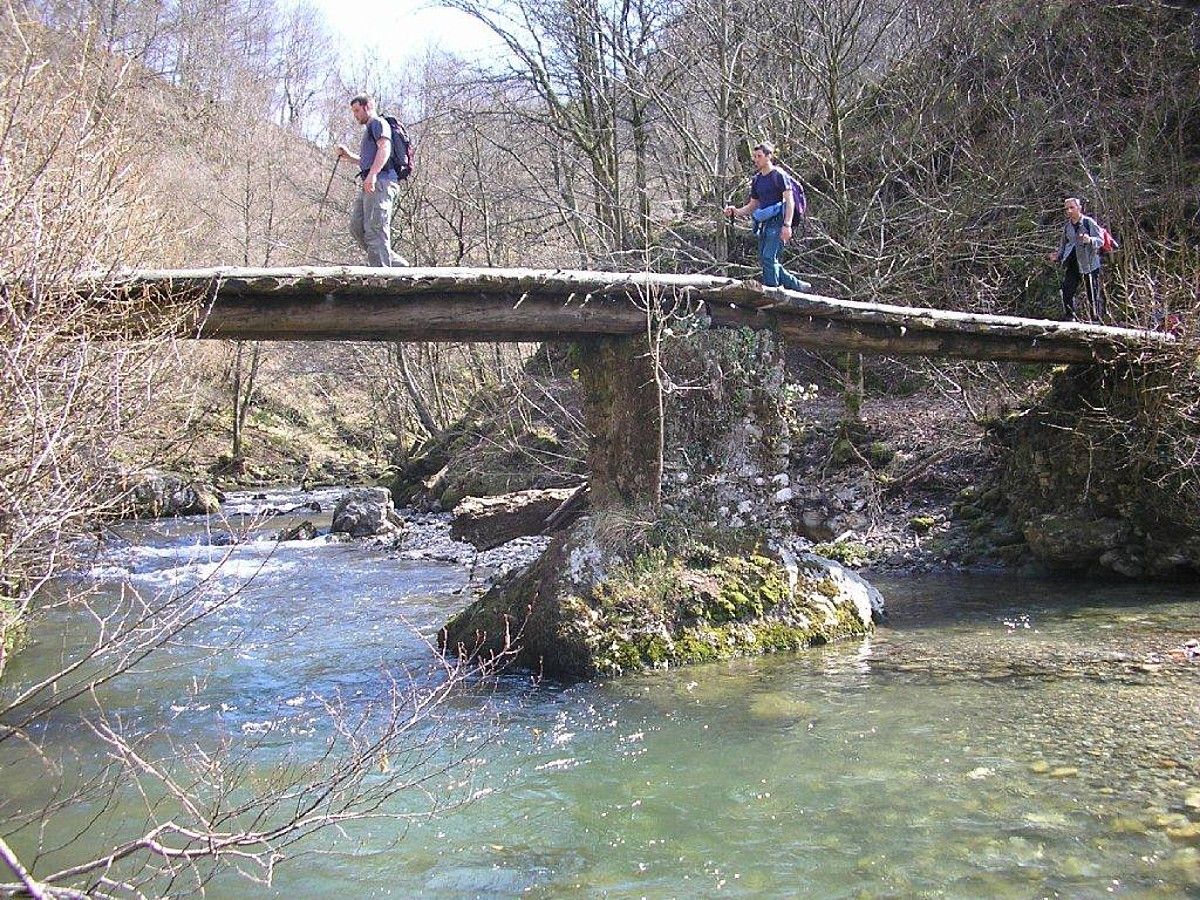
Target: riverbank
{"type": "Point", "coordinates": [916, 483]}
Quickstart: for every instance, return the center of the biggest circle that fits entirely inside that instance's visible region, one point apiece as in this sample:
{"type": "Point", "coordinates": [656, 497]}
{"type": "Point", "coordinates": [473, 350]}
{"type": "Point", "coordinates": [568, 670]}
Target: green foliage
{"type": "Point", "coordinates": [922, 524]}
{"type": "Point", "coordinates": [848, 553]}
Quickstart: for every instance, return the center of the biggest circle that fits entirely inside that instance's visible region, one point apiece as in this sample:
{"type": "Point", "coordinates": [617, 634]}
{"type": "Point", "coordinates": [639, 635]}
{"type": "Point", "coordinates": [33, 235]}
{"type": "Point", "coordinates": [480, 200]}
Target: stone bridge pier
{"type": "Point", "coordinates": [622, 412]}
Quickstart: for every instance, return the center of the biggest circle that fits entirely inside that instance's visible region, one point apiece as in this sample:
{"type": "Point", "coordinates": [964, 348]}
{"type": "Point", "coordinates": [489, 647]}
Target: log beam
{"type": "Point", "coordinates": [449, 304]}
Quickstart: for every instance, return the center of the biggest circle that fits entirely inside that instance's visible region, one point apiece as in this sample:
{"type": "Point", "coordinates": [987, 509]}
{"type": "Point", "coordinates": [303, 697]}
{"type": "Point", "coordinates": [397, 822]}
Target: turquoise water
{"type": "Point", "coordinates": [998, 737]}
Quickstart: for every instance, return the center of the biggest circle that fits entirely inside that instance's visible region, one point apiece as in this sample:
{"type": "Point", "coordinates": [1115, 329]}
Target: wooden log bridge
{"type": "Point", "coordinates": [455, 304]}
{"type": "Point", "coordinates": [604, 314]}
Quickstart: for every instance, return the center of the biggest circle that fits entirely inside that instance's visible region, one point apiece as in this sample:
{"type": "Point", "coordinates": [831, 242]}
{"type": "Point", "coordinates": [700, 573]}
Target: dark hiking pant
{"type": "Point", "coordinates": [1072, 278]}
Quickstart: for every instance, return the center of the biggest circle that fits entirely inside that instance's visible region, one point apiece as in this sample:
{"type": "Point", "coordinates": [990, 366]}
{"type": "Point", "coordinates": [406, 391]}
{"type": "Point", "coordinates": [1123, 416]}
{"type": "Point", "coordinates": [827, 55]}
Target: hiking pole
{"type": "Point", "coordinates": [321, 207]}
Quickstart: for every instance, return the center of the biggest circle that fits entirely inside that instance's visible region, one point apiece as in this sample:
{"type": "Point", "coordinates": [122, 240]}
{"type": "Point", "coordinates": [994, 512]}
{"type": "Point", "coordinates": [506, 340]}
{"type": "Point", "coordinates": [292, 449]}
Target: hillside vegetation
{"type": "Point", "coordinates": [936, 139]}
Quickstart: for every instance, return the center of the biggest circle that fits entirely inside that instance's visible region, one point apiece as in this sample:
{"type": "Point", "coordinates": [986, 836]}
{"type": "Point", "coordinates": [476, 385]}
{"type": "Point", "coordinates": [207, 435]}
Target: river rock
{"type": "Point", "coordinates": [364, 512]}
{"type": "Point", "coordinates": [583, 610]}
{"type": "Point", "coordinates": [1073, 540]}
{"type": "Point", "coordinates": [488, 522]}
{"type": "Point", "coordinates": [305, 531]}
{"type": "Point", "coordinates": [160, 494]}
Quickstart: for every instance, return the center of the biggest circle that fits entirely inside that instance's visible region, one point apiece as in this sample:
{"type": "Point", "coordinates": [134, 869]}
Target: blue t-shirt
{"type": "Point", "coordinates": [376, 128]}
{"type": "Point", "coordinates": [769, 189]}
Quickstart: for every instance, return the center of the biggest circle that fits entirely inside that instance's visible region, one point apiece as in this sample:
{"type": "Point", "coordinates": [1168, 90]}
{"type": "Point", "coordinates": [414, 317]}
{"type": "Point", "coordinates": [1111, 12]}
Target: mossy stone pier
{"type": "Point", "coordinates": [603, 313]}
{"type": "Point", "coordinates": [621, 410]}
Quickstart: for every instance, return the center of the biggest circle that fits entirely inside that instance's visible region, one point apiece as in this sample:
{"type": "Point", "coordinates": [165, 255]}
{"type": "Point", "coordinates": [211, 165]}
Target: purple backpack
{"type": "Point", "coordinates": [800, 200]}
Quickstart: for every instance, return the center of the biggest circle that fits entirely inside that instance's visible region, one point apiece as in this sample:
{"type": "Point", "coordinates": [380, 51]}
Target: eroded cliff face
{"type": "Point", "coordinates": [1104, 472]}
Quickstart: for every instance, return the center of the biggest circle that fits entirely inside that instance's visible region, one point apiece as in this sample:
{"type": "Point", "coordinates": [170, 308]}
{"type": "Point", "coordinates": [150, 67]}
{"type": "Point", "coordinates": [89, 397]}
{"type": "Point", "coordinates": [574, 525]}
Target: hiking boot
{"type": "Point", "coordinates": [802, 285]}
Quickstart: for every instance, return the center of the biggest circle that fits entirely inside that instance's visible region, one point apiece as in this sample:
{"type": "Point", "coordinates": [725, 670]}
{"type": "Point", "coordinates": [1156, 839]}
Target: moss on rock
{"type": "Point", "coordinates": [847, 552]}
{"type": "Point", "coordinates": [658, 608]}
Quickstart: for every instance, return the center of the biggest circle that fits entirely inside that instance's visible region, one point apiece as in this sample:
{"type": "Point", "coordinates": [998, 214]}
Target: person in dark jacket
{"type": "Point", "coordinates": [1079, 254]}
{"type": "Point", "coordinates": [771, 204]}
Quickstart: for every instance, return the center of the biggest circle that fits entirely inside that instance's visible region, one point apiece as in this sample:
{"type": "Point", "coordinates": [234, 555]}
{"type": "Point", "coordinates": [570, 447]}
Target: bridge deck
{"type": "Point", "coordinates": [457, 304]}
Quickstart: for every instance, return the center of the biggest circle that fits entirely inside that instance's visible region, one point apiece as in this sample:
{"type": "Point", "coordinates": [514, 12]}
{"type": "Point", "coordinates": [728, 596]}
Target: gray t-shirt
{"type": "Point", "coordinates": [376, 128]}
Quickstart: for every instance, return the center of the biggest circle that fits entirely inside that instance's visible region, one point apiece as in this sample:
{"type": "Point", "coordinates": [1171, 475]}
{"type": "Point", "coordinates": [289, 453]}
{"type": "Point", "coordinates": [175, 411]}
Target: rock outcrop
{"type": "Point", "coordinates": [1097, 476]}
{"type": "Point", "coordinates": [364, 512]}
{"type": "Point", "coordinates": [488, 522]}
{"type": "Point", "coordinates": [160, 494]}
{"type": "Point", "coordinates": [582, 611]}
{"type": "Point", "coordinates": [305, 531]}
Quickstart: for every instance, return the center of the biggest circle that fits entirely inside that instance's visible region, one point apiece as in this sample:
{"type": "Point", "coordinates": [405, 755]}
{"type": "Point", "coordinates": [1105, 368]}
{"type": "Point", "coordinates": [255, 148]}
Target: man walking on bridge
{"type": "Point", "coordinates": [771, 205]}
{"type": "Point", "coordinates": [1079, 252]}
{"type": "Point", "coordinates": [371, 217]}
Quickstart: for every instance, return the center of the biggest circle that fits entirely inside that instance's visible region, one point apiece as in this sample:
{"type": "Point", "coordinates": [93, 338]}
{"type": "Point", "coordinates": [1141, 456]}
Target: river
{"type": "Point", "coordinates": [998, 737]}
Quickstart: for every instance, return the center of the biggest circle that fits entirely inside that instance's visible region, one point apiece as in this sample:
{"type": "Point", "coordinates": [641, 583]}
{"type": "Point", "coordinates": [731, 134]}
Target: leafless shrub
{"type": "Point", "coordinates": [81, 395]}
{"type": "Point", "coordinates": [73, 199]}
{"type": "Point", "coordinates": [215, 802]}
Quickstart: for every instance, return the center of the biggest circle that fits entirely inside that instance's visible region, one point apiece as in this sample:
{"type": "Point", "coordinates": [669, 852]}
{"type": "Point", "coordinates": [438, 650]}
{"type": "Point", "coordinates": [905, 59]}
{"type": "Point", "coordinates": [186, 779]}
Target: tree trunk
{"type": "Point", "coordinates": [852, 393]}
{"type": "Point", "coordinates": [243, 394]}
{"type": "Point", "coordinates": [414, 394]}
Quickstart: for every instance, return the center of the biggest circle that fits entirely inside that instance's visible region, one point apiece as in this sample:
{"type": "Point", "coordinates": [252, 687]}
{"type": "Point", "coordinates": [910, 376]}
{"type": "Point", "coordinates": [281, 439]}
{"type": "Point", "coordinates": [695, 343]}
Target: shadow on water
{"type": "Point", "coordinates": [936, 600]}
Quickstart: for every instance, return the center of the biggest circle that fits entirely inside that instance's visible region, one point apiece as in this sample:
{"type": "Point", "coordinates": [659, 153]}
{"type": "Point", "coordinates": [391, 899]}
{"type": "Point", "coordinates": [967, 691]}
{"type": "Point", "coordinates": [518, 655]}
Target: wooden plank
{"type": "Point", "coordinates": [463, 304]}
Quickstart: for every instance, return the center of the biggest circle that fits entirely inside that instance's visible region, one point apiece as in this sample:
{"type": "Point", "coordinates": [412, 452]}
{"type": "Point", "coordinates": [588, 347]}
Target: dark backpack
{"type": "Point", "coordinates": [401, 159]}
{"type": "Point", "coordinates": [800, 209]}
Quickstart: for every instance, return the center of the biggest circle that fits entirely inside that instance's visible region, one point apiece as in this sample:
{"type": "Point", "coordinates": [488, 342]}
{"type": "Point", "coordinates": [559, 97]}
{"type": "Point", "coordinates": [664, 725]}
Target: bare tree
{"type": "Point", "coordinates": [72, 388]}
{"type": "Point", "coordinates": [204, 809]}
{"type": "Point", "coordinates": [586, 64]}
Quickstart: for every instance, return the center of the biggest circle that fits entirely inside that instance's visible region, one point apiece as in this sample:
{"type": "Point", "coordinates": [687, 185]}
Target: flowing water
{"type": "Point", "coordinates": [998, 737]}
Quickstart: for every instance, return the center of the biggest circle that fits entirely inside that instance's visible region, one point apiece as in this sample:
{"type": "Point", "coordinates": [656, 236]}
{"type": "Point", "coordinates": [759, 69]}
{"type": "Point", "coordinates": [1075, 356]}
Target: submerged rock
{"type": "Point", "coordinates": [364, 512]}
{"type": "Point", "coordinates": [581, 611]}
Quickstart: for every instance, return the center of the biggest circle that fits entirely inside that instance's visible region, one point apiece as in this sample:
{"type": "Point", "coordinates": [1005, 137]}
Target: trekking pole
{"type": "Point", "coordinates": [321, 208]}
